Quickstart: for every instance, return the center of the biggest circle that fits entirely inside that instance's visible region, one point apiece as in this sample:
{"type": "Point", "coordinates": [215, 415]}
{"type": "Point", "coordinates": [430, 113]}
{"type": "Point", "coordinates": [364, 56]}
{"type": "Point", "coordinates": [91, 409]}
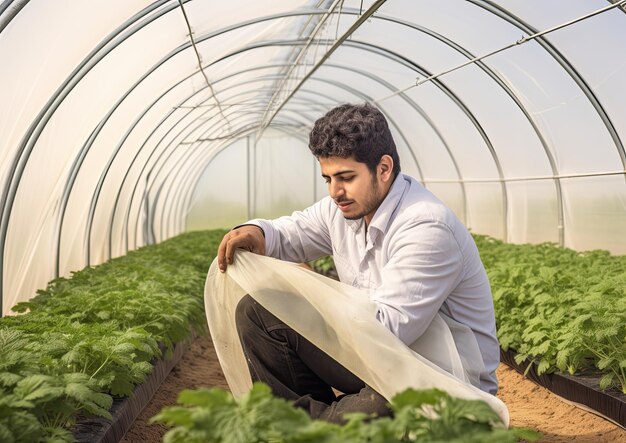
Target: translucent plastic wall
{"type": "Point", "coordinates": [123, 123]}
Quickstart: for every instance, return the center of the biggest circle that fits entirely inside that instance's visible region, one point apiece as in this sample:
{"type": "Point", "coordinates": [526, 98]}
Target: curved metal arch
{"type": "Point", "coordinates": [453, 160]}
{"type": "Point", "coordinates": [89, 143]}
{"type": "Point", "coordinates": [172, 170]}
{"type": "Point", "coordinates": [255, 21]}
{"type": "Point", "coordinates": [86, 147]}
{"type": "Point", "coordinates": [127, 212]}
{"type": "Point", "coordinates": [460, 104]}
{"type": "Point", "coordinates": [512, 94]}
{"type": "Point", "coordinates": [172, 53]}
{"type": "Point", "coordinates": [114, 211]}
{"type": "Point", "coordinates": [507, 16]}
{"type": "Point", "coordinates": [157, 160]}
{"type": "Point", "coordinates": [14, 174]}
{"type": "Point", "coordinates": [157, 172]}
{"type": "Point", "coordinates": [350, 90]}
{"type": "Point", "coordinates": [188, 198]}
{"type": "Point", "coordinates": [427, 119]}
{"type": "Point", "coordinates": [261, 45]}
{"type": "Point", "coordinates": [182, 195]}
{"type": "Point", "coordinates": [189, 157]}
{"type": "Point", "coordinates": [123, 31]}
{"type": "Point", "coordinates": [287, 130]}
{"type": "Point", "coordinates": [9, 9]}
{"type": "Point", "coordinates": [133, 193]}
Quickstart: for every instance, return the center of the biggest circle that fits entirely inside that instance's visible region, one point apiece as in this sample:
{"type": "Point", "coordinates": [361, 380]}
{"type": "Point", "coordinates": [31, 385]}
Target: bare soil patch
{"type": "Point", "coordinates": [530, 405]}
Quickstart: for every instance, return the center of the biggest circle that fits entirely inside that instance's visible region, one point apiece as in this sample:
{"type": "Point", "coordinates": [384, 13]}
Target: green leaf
{"type": "Point", "coordinates": [543, 366]}
{"type": "Point", "coordinates": [427, 415]}
{"type": "Point", "coordinates": [414, 398]}
{"type": "Point", "coordinates": [38, 388]}
{"type": "Point", "coordinates": [606, 380]}
{"type": "Point", "coordinates": [5, 434]}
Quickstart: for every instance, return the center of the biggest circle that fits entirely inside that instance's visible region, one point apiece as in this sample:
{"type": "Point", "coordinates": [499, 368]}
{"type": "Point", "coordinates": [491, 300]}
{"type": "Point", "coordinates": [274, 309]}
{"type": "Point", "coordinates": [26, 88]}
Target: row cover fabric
{"type": "Point", "coordinates": [340, 320]}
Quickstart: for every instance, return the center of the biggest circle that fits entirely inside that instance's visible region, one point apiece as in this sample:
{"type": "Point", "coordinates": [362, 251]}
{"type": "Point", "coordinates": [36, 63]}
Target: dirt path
{"type": "Point", "coordinates": [529, 405]}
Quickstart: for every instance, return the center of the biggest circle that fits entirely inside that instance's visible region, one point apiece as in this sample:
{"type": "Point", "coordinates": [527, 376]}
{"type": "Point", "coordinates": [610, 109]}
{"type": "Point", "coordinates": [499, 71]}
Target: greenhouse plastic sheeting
{"type": "Point", "coordinates": [123, 123]}
{"type": "Point", "coordinates": [326, 312]}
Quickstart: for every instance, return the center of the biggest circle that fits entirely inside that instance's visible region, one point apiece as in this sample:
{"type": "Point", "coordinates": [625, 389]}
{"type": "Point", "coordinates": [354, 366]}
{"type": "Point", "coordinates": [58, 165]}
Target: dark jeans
{"type": "Point", "coordinates": [297, 370]}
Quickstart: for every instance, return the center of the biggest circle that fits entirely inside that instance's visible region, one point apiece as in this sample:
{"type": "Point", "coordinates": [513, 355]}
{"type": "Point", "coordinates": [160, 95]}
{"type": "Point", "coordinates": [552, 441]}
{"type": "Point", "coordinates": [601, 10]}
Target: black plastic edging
{"type": "Point", "coordinates": [582, 389]}
{"type": "Point", "coordinates": [126, 410]}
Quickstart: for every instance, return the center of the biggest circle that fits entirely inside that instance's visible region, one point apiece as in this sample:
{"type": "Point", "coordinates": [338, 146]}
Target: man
{"type": "Point", "coordinates": [389, 236]}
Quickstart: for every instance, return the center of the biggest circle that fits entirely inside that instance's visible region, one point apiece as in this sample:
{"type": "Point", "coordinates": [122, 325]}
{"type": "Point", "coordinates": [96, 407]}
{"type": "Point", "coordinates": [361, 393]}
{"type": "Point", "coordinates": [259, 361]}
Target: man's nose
{"type": "Point", "coordinates": [335, 190]}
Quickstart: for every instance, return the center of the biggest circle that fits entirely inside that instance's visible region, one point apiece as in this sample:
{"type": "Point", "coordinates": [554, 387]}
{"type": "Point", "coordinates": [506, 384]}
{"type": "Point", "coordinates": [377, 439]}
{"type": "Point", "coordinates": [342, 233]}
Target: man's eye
{"type": "Point", "coordinates": [347, 179]}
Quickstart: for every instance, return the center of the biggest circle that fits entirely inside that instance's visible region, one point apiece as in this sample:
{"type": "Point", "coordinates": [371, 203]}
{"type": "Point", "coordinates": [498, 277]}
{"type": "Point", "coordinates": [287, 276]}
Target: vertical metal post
{"type": "Point", "coordinates": [148, 225]}
{"type": "Point", "coordinates": [146, 208]}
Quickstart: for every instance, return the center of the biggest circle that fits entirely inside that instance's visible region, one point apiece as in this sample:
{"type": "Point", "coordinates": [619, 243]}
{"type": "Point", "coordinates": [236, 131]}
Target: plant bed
{"type": "Point", "coordinates": [530, 405]}
{"type": "Point", "coordinates": [87, 340]}
{"type": "Point", "coordinates": [565, 311]}
{"type": "Point", "coordinates": [126, 409]}
{"type": "Point", "coordinates": [580, 389]}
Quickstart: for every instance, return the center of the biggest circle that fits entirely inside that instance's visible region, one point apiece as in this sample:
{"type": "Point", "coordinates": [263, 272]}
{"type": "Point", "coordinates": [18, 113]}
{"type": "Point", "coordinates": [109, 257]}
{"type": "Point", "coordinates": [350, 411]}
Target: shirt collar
{"type": "Point", "coordinates": [386, 210]}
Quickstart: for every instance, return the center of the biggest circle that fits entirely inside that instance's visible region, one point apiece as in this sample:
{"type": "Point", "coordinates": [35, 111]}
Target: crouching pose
{"type": "Point", "coordinates": [389, 236]}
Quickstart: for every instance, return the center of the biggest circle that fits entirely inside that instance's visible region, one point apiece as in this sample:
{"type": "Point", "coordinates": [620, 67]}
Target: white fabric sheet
{"type": "Point", "coordinates": [341, 321]}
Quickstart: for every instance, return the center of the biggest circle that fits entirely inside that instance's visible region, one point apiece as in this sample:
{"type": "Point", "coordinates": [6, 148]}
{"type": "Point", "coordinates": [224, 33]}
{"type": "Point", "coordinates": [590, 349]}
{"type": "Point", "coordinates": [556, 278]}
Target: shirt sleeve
{"type": "Point", "coordinates": [425, 266]}
{"type": "Point", "coordinates": [303, 236]}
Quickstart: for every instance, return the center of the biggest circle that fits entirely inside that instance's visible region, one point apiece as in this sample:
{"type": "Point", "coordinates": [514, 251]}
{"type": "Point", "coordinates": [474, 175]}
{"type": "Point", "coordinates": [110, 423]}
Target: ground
{"type": "Point", "coordinates": [529, 405]}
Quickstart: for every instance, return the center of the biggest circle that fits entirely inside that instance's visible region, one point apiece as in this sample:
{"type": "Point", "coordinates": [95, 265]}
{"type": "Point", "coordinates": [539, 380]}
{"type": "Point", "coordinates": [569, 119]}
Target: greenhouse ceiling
{"type": "Point", "coordinates": [123, 123]}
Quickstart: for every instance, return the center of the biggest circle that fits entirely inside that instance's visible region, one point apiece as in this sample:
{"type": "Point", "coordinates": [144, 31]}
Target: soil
{"type": "Point", "coordinates": [529, 405]}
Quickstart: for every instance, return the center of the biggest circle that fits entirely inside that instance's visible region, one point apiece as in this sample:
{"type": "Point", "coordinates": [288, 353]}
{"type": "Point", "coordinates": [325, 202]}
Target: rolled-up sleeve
{"type": "Point", "coordinates": [425, 265]}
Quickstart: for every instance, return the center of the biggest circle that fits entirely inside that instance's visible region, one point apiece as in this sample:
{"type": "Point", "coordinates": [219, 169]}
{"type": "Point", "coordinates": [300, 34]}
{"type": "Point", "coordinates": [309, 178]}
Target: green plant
{"type": "Point", "coordinates": [87, 338]}
{"type": "Point", "coordinates": [213, 415]}
{"type": "Point", "coordinates": [562, 309]}
{"type": "Point", "coordinates": [323, 265]}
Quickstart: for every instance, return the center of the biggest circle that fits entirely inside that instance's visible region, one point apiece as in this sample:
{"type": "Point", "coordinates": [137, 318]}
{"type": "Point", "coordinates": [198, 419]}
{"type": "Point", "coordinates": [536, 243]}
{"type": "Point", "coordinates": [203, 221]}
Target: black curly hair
{"type": "Point", "coordinates": [358, 131]}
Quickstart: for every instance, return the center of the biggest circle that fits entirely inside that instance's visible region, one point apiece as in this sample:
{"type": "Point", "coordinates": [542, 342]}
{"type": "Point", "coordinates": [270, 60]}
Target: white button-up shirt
{"type": "Point", "coordinates": [415, 259]}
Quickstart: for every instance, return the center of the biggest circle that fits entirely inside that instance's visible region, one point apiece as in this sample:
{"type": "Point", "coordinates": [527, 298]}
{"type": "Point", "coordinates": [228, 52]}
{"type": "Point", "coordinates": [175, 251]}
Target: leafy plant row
{"type": "Point", "coordinates": [212, 415]}
{"type": "Point", "coordinates": [563, 309]}
{"type": "Point", "coordinates": [85, 339]}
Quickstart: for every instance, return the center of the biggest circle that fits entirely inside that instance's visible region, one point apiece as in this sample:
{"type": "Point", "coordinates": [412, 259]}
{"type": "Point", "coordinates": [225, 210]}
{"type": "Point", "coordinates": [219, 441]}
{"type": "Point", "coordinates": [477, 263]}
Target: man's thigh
{"type": "Point", "coordinates": [326, 368]}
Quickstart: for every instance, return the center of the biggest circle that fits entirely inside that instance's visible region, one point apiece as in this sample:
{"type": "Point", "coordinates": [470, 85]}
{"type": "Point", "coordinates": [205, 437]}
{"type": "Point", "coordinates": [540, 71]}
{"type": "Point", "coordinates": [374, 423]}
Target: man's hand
{"type": "Point", "coordinates": [249, 237]}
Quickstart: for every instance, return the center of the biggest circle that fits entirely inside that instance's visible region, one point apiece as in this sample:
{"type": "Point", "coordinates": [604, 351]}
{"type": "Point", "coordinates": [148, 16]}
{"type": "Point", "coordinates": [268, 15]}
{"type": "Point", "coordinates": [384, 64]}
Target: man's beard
{"type": "Point", "coordinates": [369, 204]}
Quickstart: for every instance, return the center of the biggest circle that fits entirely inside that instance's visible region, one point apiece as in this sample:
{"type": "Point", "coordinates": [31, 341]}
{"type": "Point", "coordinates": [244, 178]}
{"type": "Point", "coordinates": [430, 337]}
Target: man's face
{"type": "Point", "coordinates": [352, 185]}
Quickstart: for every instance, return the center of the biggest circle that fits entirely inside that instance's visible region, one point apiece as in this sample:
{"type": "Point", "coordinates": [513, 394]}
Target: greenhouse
{"type": "Point", "coordinates": [134, 135]}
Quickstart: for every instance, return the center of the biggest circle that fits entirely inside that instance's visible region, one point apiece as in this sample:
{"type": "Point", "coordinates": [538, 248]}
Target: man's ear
{"type": "Point", "coordinates": [385, 168]}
